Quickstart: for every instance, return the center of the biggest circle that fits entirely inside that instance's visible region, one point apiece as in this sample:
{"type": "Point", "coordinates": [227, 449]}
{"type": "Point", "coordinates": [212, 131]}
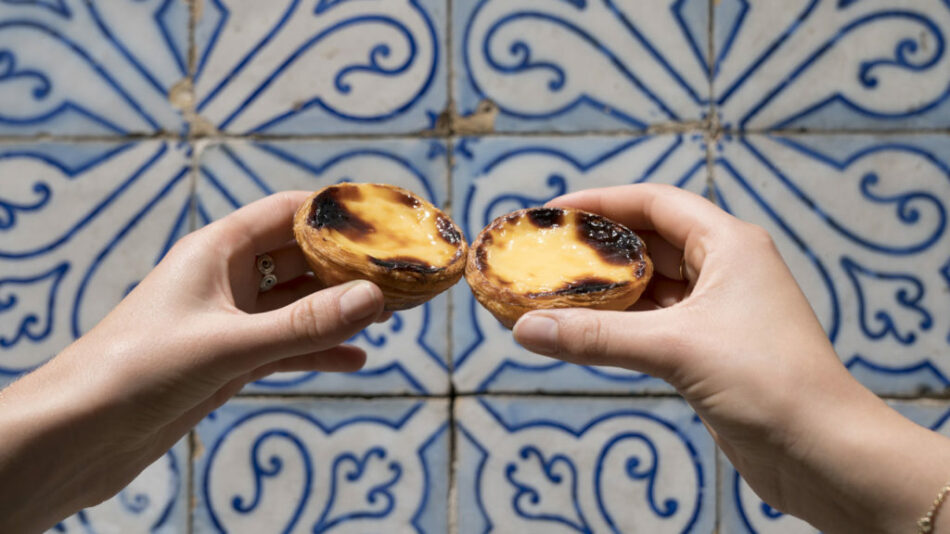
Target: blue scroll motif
{"type": "Point", "coordinates": [909, 296]}
{"type": "Point", "coordinates": [9, 208]}
{"type": "Point", "coordinates": [907, 205]}
{"type": "Point", "coordinates": [524, 491]}
{"type": "Point", "coordinates": [902, 52]}
{"type": "Point", "coordinates": [378, 340]}
{"type": "Point", "coordinates": [634, 468]}
{"type": "Point", "coordinates": [358, 468]}
{"type": "Point", "coordinates": [273, 469]}
{"type": "Point", "coordinates": [9, 72]}
{"type": "Point", "coordinates": [346, 468]}
{"type": "Point", "coordinates": [30, 326]}
{"type": "Point", "coordinates": [523, 62]}
{"type": "Point", "coordinates": [69, 105]}
{"type": "Point", "coordinates": [374, 65]}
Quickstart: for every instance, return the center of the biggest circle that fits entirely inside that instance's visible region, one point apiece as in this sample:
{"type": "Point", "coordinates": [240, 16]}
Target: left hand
{"type": "Point", "coordinates": [187, 338]}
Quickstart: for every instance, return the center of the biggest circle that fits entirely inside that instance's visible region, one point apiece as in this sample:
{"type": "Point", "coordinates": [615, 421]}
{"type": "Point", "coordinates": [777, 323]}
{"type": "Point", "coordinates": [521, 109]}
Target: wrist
{"type": "Point", "coordinates": [863, 467]}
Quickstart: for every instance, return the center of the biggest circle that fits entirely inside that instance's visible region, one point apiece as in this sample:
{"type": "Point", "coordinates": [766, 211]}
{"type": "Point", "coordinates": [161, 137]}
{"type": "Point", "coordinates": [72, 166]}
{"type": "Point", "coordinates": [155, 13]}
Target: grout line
{"type": "Point", "coordinates": [658, 129]}
{"type": "Point", "coordinates": [191, 503]}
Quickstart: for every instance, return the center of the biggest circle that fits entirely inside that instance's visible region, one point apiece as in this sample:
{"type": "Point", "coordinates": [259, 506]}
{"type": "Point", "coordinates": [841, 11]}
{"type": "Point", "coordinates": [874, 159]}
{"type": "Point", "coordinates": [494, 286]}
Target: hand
{"type": "Point", "coordinates": [740, 342]}
{"type": "Point", "coordinates": [187, 338]}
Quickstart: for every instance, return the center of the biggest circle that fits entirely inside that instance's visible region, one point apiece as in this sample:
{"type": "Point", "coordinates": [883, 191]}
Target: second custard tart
{"type": "Point", "coordinates": [384, 234]}
{"type": "Point", "coordinates": [556, 258]}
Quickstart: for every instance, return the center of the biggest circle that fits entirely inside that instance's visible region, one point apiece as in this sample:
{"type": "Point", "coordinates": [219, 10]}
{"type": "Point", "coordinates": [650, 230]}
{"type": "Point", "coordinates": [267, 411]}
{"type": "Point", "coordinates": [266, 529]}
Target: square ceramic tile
{"type": "Point", "coordinates": [103, 68]}
{"type": "Point", "coordinates": [745, 513]}
{"type": "Point", "coordinates": [293, 67]}
{"type": "Point", "coordinates": [600, 465]}
{"type": "Point", "coordinates": [493, 176]}
{"type": "Point", "coordinates": [862, 222]}
{"type": "Point", "coordinates": [580, 65]}
{"type": "Point", "coordinates": [80, 225]}
{"type": "Point", "coordinates": [323, 465]}
{"type": "Point", "coordinates": [156, 501]}
{"type": "Point", "coordinates": [408, 353]}
{"type": "Point", "coordinates": [820, 64]}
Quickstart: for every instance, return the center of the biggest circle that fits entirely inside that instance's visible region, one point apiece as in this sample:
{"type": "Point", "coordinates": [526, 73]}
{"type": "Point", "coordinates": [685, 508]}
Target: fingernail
{"type": "Point", "coordinates": [358, 302]}
{"type": "Point", "coordinates": [537, 333]}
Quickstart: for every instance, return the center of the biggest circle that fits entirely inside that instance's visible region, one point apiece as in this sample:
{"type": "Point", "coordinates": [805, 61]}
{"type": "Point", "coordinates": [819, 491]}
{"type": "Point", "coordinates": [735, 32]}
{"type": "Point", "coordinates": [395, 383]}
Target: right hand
{"type": "Point", "coordinates": [741, 343]}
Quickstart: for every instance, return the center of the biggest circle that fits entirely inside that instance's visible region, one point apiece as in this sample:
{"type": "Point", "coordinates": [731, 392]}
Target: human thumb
{"type": "Point", "coordinates": [640, 341]}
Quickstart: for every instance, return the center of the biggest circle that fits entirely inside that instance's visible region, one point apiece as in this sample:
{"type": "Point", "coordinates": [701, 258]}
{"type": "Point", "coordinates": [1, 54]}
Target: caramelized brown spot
{"type": "Point", "coordinates": [614, 243]}
{"type": "Point", "coordinates": [406, 263]}
{"type": "Point", "coordinates": [328, 211]}
{"type": "Point", "coordinates": [481, 253]}
{"type": "Point", "coordinates": [546, 217]}
{"type": "Point", "coordinates": [581, 287]}
{"type": "Point", "coordinates": [447, 231]}
{"type": "Point", "coordinates": [403, 198]}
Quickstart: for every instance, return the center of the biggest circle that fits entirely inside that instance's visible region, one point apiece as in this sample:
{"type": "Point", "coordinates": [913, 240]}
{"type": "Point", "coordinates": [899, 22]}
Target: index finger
{"type": "Point", "coordinates": [265, 224]}
{"type": "Point", "coordinates": [677, 215]}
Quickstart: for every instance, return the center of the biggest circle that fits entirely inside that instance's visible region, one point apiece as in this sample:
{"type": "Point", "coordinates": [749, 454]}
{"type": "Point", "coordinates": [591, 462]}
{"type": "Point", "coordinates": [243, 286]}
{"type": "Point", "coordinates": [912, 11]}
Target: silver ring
{"type": "Point", "coordinates": [265, 265]}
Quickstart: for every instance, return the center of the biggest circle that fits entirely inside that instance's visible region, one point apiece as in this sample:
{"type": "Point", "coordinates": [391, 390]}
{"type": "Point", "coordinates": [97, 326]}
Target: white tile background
{"type": "Point", "coordinates": [123, 125]}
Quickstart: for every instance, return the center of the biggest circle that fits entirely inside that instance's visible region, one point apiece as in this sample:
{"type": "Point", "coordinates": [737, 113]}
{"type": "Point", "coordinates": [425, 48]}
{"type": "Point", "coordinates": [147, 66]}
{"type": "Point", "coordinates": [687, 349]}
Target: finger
{"type": "Point", "coordinates": [385, 316]}
{"type": "Point", "coordinates": [680, 217]}
{"type": "Point", "coordinates": [665, 292]}
{"type": "Point", "coordinates": [666, 258]}
{"type": "Point", "coordinates": [341, 359]}
{"type": "Point", "coordinates": [640, 341]}
{"type": "Point", "coordinates": [314, 323]}
{"type": "Point", "coordinates": [644, 304]}
{"type": "Point", "coordinates": [286, 293]}
{"type": "Point", "coordinates": [264, 225]}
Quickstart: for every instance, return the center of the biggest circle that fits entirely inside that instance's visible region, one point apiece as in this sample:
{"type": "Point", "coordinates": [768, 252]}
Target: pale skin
{"type": "Point", "coordinates": [739, 342]}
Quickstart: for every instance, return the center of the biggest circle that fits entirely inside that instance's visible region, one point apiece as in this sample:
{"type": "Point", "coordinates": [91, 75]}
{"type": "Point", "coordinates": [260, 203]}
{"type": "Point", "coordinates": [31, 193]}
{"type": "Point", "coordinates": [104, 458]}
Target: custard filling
{"type": "Point", "coordinates": [392, 228]}
{"type": "Point", "coordinates": [550, 258]}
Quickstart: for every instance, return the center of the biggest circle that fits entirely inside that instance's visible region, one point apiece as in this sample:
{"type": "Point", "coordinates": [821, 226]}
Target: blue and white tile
{"type": "Point", "coordinates": [156, 501]}
{"type": "Point", "coordinates": [91, 67]}
{"type": "Point", "coordinates": [820, 64]}
{"type": "Point", "coordinates": [408, 353]}
{"type": "Point", "coordinates": [496, 175]}
{"type": "Point", "coordinates": [323, 466]}
{"type": "Point", "coordinates": [80, 225]}
{"type": "Point", "coordinates": [600, 465]}
{"type": "Point", "coordinates": [862, 222]}
{"type": "Point", "coordinates": [321, 66]}
{"type": "Point", "coordinates": [745, 513]}
{"type": "Point", "coordinates": [579, 65]}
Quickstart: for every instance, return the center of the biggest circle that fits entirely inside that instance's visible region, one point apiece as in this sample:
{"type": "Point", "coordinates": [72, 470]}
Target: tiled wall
{"type": "Point", "coordinates": [123, 125]}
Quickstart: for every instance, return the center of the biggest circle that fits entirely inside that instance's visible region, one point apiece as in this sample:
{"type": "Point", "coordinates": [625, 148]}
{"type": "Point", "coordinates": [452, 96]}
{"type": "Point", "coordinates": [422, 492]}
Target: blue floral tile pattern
{"type": "Point", "coordinates": [862, 221]}
{"type": "Point", "coordinates": [154, 502]}
{"type": "Point", "coordinates": [325, 466]}
{"type": "Point", "coordinates": [811, 64]}
{"type": "Point", "coordinates": [408, 353]}
{"type": "Point", "coordinates": [599, 466]}
{"type": "Point", "coordinates": [80, 225]}
{"type": "Point", "coordinates": [581, 65]}
{"type": "Point", "coordinates": [91, 67]}
{"type": "Point", "coordinates": [745, 513]}
{"type": "Point", "coordinates": [497, 175]}
{"type": "Point", "coordinates": [294, 66]}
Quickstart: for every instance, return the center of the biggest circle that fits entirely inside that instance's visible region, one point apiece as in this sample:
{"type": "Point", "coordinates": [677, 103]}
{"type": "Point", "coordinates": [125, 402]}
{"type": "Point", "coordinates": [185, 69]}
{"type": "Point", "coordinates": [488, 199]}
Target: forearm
{"type": "Point", "coordinates": [868, 469]}
{"type": "Point", "coordinates": [47, 456]}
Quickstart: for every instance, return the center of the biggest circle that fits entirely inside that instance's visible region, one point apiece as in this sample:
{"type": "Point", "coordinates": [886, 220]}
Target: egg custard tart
{"type": "Point", "coordinates": [384, 234]}
{"type": "Point", "coordinates": [556, 258]}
